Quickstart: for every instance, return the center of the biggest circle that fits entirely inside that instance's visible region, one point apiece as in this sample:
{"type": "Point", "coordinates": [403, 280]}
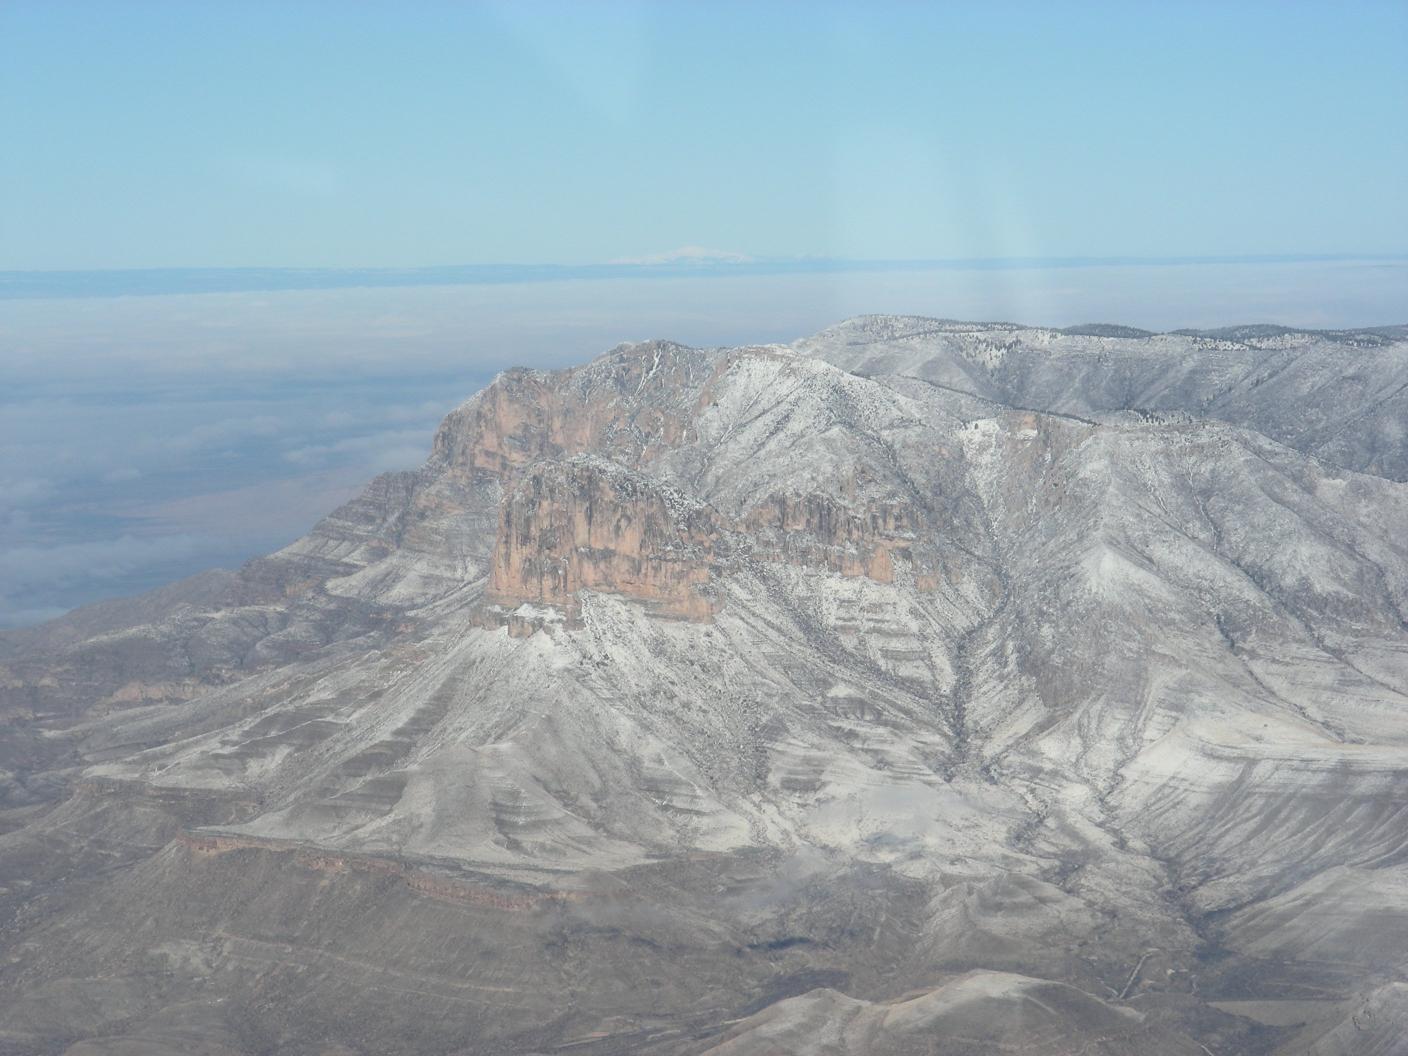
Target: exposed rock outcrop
{"type": "Point", "coordinates": [824, 532]}
{"type": "Point", "coordinates": [587, 524]}
{"type": "Point", "coordinates": [626, 405]}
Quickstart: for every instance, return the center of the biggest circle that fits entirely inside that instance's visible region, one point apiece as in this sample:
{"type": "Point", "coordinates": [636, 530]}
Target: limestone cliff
{"type": "Point", "coordinates": [626, 405]}
{"type": "Point", "coordinates": [820, 531]}
{"type": "Point", "coordinates": [588, 524]}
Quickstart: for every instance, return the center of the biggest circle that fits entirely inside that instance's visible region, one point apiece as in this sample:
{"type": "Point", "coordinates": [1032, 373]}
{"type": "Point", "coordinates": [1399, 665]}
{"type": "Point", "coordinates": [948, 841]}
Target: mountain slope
{"type": "Point", "coordinates": [1341, 395]}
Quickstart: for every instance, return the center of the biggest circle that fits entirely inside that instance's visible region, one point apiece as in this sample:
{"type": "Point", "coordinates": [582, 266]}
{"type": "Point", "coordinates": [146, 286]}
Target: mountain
{"type": "Point", "coordinates": [917, 687]}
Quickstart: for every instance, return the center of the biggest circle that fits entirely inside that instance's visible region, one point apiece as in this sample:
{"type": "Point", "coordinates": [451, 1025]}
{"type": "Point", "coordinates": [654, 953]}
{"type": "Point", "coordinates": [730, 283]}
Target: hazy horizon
{"type": "Point", "coordinates": [152, 437]}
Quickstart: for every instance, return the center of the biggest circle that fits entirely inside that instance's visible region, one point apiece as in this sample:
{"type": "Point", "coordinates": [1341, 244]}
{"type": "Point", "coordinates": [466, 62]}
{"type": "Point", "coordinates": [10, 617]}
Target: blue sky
{"type": "Point", "coordinates": [393, 135]}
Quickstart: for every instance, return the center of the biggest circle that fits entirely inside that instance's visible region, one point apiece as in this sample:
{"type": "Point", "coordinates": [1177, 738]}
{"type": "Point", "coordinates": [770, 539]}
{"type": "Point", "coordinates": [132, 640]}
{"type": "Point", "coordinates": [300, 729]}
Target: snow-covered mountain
{"type": "Point", "coordinates": [1341, 395]}
{"type": "Point", "coordinates": [918, 687]}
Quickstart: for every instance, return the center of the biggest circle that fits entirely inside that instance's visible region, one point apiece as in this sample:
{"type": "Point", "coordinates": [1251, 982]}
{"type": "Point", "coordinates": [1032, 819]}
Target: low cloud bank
{"type": "Point", "coordinates": [147, 438]}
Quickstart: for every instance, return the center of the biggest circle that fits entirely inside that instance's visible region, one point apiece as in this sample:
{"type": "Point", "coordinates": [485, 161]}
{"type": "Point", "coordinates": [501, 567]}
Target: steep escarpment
{"type": "Point", "coordinates": [821, 531]}
{"type": "Point", "coordinates": [587, 524]}
{"type": "Point", "coordinates": [646, 526]}
{"type": "Point", "coordinates": [625, 406]}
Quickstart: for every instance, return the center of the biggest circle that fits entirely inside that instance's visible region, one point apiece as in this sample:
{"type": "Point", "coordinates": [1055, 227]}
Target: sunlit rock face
{"type": "Point", "coordinates": [919, 687]}
{"type": "Point", "coordinates": [586, 524]}
{"type": "Point", "coordinates": [628, 405]}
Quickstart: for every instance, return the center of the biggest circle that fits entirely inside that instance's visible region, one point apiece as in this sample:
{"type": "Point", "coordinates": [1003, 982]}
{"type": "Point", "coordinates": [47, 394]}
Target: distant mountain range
{"type": "Point", "coordinates": [687, 262]}
{"type": "Point", "coordinates": [918, 687]}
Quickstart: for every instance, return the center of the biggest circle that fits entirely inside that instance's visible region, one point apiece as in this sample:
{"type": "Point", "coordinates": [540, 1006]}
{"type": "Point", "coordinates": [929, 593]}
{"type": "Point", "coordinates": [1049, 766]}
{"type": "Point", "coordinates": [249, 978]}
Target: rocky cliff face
{"type": "Point", "coordinates": [585, 524]}
{"type": "Point", "coordinates": [920, 687]}
{"type": "Point", "coordinates": [627, 406]}
{"type": "Point", "coordinates": [819, 531]}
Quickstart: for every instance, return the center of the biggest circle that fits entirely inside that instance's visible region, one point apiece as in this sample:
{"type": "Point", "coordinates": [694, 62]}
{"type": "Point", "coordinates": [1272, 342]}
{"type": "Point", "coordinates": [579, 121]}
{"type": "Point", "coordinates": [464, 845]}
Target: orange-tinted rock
{"type": "Point", "coordinates": [626, 406]}
{"type": "Point", "coordinates": [587, 524]}
{"type": "Point", "coordinates": [817, 531]}
{"type": "Point", "coordinates": [432, 885]}
{"type": "Point", "coordinates": [569, 523]}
